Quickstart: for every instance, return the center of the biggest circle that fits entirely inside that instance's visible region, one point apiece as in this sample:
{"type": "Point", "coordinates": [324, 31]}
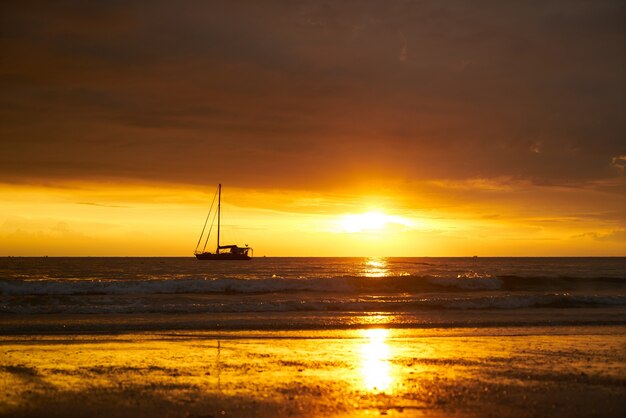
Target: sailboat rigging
{"type": "Point", "coordinates": [222, 252]}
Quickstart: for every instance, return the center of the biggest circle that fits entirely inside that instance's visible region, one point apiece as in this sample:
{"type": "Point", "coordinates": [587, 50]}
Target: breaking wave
{"type": "Point", "coordinates": [389, 304]}
{"type": "Point", "coordinates": [344, 285]}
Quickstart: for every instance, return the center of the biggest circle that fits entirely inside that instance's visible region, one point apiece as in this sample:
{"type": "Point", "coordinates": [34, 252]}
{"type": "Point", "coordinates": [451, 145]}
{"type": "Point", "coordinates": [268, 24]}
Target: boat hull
{"type": "Point", "coordinates": [222, 256]}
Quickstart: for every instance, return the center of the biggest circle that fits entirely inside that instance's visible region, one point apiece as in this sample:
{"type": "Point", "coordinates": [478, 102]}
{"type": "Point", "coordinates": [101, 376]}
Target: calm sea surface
{"type": "Point", "coordinates": [292, 287]}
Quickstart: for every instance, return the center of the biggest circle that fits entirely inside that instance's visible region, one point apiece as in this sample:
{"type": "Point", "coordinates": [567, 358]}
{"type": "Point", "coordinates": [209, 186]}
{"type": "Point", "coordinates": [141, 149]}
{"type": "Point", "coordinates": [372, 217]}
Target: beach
{"type": "Point", "coordinates": [173, 337]}
{"type": "Point", "coordinates": [520, 372]}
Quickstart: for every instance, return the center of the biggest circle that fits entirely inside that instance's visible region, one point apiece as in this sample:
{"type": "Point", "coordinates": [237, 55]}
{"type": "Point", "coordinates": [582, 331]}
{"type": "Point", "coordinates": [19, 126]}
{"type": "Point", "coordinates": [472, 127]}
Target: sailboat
{"type": "Point", "coordinates": [222, 252]}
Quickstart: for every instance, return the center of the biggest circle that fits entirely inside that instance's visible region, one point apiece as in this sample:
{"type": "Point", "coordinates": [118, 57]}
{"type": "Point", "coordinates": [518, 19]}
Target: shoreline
{"type": "Point", "coordinates": [16, 324]}
{"type": "Point", "coordinates": [507, 371]}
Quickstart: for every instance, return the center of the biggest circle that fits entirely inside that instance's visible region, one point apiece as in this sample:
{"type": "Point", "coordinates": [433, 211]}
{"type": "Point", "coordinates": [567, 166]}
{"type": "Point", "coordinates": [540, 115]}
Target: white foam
{"type": "Point", "coordinates": [166, 286]}
{"type": "Point", "coordinates": [468, 282]}
{"type": "Point", "coordinates": [208, 303]}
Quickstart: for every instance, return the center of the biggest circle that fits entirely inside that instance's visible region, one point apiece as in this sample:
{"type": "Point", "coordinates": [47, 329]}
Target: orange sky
{"type": "Point", "coordinates": [482, 129]}
{"type": "Point", "coordinates": [128, 219]}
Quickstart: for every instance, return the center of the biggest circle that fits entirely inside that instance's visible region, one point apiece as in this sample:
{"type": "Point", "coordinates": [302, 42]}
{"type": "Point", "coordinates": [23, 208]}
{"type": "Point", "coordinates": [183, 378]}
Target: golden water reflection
{"type": "Point", "coordinates": [375, 267]}
{"type": "Point", "coordinates": [375, 361]}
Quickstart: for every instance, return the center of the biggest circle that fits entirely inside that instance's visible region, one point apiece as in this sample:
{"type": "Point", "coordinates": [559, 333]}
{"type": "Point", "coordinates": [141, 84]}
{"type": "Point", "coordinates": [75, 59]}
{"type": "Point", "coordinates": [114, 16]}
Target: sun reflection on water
{"type": "Point", "coordinates": [375, 267]}
{"type": "Point", "coordinates": [375, 366]}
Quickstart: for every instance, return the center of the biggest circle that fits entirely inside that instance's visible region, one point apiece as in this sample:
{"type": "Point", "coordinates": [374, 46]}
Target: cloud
{"type": "Point", "coordinates": [310, 95]}
{"type": "Point", "coordinates": [535, 147]}
{"type": "Point", "coordinates": [403, 51]}
{"type": "Point", "coordinates": [102, 205]}
{"type": "Point", "coordinates": [619, 162]}
{"type": "Point", "coordinates": [617, 236]}
{"type": "Point", "coordinates": [612, 236]}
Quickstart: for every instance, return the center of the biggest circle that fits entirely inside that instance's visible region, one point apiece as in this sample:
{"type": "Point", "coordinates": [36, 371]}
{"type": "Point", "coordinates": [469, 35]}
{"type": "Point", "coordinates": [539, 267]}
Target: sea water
{"type": "Point", "coordinates": [282, 291]}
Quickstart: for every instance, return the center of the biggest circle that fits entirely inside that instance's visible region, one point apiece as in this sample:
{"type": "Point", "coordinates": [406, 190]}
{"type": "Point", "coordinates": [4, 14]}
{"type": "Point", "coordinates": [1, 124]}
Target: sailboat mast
{"type": "Point", "coordinates": [219, 216]}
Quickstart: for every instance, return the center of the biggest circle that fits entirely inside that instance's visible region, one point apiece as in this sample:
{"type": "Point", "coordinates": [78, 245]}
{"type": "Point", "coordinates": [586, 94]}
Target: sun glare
{"type": "Point", "coordinates": [375, 365]}
{"type": "Point", "coordinates": [375, 267]}
{"type": "Point", "coordinates": [374, 221]}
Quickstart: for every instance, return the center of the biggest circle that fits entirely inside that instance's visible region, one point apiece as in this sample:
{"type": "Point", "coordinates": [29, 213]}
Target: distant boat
{"type": "Point", "coordinates": [222, 252]}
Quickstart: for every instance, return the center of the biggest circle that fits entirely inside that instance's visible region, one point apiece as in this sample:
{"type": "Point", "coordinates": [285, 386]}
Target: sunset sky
{"type": "Point", "coordinates": [339, 128]}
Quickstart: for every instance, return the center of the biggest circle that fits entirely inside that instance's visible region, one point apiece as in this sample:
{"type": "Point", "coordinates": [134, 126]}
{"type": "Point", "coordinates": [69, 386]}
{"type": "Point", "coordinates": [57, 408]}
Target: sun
{"type": "Point", "coordinates": [374, 221]}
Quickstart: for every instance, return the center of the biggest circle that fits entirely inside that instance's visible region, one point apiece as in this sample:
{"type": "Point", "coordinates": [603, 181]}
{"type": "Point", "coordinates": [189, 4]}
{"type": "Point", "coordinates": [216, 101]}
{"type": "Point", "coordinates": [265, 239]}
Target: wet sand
{"type": "Point", "coordinates": [303, 320]}
{"type": "Point", "coordinates": [512, 371]}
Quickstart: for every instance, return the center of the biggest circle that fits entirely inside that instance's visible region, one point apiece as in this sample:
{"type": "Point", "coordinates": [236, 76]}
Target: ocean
{"type": "Point", "coordinates": [292, 293]}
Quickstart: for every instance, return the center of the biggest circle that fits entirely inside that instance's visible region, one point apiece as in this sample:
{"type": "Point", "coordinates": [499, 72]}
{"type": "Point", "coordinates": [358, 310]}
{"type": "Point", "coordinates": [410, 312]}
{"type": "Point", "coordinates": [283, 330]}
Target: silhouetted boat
{"type": "Point", "coordinates": [222, 252]}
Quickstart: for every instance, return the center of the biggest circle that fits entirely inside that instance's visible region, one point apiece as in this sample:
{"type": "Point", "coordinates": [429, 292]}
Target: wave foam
{"type": "Point", "coordinates": [345, 285]}
{"type": "Point", "coordinates": [100, 304]}
{"type": "Point", "coordinates": [469, 282]}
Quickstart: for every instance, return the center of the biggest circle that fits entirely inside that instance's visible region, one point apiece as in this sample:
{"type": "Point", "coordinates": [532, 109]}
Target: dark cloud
{"type": "Point", "coordinates": [309, 93]}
